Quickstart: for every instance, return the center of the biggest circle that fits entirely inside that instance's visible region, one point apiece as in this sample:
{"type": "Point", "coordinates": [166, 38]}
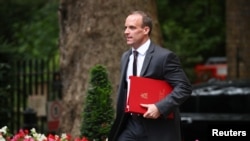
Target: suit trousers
{"type": "Point", "coordinates": [134, 130]}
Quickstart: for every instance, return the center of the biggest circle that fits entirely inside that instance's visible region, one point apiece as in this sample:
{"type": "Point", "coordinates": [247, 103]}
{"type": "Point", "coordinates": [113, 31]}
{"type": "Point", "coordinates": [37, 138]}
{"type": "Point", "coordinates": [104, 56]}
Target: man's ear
{"type": "Point", "coordinates": [146, 29]}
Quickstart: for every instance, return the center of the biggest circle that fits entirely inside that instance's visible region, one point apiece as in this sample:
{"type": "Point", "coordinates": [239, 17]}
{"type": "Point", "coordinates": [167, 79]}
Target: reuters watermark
{"type": "Point", "coordinates": [228, 133]}
{"type": "Point", "coordinates": [217, 131]}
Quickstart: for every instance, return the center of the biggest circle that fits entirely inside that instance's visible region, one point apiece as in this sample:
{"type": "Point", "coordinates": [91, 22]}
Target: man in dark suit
{"type": "Point", "coordinates": [154, 62]}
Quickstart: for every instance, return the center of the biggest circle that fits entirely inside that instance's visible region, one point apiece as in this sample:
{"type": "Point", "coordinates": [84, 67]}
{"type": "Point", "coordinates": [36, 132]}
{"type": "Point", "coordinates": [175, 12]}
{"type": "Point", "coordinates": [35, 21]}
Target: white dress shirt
{"type": "Point", "coordinates": [140, 59]}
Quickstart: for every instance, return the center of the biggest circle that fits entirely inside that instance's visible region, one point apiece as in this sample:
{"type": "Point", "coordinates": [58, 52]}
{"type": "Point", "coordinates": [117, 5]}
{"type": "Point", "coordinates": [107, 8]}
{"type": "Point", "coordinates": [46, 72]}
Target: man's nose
{"type": "Point", "coordinates": [126, 31]}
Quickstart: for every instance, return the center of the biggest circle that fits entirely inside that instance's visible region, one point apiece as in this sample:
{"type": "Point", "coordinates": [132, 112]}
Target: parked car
{"type": "Point", "coordinates": [223, 105]}
{"type": "Point", "coordinates": [215, 68]}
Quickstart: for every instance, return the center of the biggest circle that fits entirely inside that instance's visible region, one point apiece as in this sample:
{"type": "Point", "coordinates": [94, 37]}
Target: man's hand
{"type": "Point", "coordinates": [152, 111]}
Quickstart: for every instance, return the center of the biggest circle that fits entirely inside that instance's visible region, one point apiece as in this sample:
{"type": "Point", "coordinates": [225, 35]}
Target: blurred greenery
{"type": "Point", "coordinates": [30, 29]}
{"type": "Point", "coordinates": [194, 29]}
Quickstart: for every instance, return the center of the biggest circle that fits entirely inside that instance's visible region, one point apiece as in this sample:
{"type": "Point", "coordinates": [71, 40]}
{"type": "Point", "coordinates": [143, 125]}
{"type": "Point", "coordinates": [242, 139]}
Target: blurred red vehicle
{"type": "Point", "coordinates": [215, 68]}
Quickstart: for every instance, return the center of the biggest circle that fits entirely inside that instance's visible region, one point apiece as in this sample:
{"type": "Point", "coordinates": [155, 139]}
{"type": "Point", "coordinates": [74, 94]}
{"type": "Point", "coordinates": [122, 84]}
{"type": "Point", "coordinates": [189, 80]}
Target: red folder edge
{"type": "Point", "coordinates": [144, 90]}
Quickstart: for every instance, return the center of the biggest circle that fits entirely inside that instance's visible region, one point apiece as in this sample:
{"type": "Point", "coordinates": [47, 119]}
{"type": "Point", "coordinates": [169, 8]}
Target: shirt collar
{"type": "Point", "coordinates": [143, 48]}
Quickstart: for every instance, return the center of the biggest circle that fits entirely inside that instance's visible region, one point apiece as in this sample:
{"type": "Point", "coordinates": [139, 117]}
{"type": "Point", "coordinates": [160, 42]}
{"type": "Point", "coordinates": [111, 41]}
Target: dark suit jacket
{"type": "Point", "coordinates": [162, 64]}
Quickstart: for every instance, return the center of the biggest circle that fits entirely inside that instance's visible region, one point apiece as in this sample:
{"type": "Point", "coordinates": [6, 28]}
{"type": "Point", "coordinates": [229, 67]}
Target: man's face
{"type": "Point", "coordinates": [135, 34]}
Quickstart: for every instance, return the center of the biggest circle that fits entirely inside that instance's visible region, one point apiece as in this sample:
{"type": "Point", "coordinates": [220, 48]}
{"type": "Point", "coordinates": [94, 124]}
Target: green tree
{"type": "Point", "coordinates": [195, 29]}
{"type": "Point", "coordinates": [33, 33]}
{"type": "Point", "coordinates": [98, 111]}
{"type": "Point", "coordinates": [39, 37]}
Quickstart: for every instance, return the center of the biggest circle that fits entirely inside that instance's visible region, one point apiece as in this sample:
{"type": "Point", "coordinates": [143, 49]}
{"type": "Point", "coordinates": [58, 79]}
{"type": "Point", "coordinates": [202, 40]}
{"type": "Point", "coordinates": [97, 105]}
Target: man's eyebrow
{"type": "Point", "coordinates": [130, 26]}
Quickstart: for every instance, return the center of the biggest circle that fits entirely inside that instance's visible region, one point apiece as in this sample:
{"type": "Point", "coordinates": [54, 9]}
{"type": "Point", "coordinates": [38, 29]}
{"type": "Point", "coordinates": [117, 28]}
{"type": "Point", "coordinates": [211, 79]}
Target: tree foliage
{"type": "Point", "coordinates": [195, 29]}
{"type": "Point", "coordinates": [98, 110]}
{"type": "Point", "coordinates": [31, 29]}
{"type": "Point", "coordinates": [39, 38]}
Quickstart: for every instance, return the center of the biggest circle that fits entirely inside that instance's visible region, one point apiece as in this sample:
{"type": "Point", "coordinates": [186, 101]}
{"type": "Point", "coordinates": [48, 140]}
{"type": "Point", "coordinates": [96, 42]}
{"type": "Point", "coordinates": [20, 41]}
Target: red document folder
{"type": "Point", "coordinates": [146, 91]}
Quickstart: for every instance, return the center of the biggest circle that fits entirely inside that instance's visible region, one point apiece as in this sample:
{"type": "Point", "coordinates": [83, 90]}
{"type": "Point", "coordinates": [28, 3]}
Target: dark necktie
{"type": "Point", "coordinates": [135, 63]}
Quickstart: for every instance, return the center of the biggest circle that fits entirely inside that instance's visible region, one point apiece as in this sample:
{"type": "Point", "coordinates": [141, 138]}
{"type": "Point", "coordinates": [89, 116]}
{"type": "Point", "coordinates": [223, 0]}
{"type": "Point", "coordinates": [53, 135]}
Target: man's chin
{"type": "Point", "coordinates": [129, 44]}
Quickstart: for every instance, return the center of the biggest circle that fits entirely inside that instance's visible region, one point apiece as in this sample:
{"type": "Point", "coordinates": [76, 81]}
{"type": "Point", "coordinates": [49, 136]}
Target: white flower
{"type": "Point", "coordinates": [2, 138]}
{"type": "Point", "coordinates": [64, 136]}
{"type": "Point", "coordinates": [27, 137]}
{"type": "Point", "coordinates": [41, 137]}
{"type": "Point", "coordinates": [3, 130]}
{"type": "Point", "coordinates": [33, 130]}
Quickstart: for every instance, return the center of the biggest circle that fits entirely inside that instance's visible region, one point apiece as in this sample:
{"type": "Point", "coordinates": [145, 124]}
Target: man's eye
{"type": "Point", "coordinates": [132, 27]}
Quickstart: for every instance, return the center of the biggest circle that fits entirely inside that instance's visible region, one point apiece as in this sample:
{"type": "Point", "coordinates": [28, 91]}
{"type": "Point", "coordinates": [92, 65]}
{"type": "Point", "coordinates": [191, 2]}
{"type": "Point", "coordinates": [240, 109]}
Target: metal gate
{"type": "Point", "coordinates": [31, 84]}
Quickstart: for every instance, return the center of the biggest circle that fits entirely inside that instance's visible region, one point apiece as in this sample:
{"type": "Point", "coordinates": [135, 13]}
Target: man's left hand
{"type": "Point", "coordinates": [152, 111]}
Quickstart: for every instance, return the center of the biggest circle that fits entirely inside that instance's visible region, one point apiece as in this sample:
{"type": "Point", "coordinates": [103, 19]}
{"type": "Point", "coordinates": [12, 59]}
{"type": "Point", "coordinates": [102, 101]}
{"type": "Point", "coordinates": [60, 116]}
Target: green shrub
{"type": "Point", "coordinates": [98, 112]}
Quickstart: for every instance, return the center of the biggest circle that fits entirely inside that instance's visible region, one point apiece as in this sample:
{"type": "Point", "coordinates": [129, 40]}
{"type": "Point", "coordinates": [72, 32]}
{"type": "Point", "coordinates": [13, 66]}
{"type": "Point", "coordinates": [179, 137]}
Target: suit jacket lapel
{"type": "Point", "coordinates": [125, 64]}
{"type": "Point", "coordinates": [149, 55]}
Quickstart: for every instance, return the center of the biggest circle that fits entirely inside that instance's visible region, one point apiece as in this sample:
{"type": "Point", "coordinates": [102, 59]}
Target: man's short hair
{"type": "Point", "coordinates": [146, 19]}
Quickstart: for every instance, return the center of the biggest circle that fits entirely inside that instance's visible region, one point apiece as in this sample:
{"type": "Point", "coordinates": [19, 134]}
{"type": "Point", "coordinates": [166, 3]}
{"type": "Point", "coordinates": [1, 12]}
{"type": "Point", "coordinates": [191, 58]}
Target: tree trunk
{"type": "Point", "coordinates": [91, 32]}
{"type": "Point", "coordinates": [238, 35]}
